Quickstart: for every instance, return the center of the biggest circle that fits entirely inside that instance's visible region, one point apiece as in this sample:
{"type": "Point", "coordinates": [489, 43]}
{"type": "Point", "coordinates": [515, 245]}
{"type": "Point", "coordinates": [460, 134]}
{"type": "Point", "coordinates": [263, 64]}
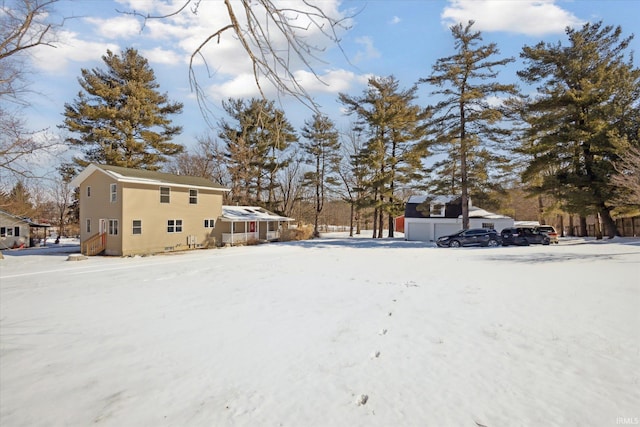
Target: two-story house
{"type": "Point", "coordinates": [131, 211]}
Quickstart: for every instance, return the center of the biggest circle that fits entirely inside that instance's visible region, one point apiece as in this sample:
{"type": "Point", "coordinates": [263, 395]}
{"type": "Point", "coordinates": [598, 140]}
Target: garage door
{"type": "Point", "coordinates": [420, 232]}
{"type": "Point", "coordinates": [446, 229]}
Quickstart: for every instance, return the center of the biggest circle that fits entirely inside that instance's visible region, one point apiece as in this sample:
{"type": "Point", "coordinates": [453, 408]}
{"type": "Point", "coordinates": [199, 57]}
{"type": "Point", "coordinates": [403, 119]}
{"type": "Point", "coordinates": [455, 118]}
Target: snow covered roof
{"type": "Point", "coordinates": [250, 213]}
{"type": "Point", "coordinates": [434, 199]}
{"type": "Point", "coordinates": [475, 212]}
{"type": "Point", "coordinates": [142, 176]}
{"type": "Point", "coordinates": [25, 220]}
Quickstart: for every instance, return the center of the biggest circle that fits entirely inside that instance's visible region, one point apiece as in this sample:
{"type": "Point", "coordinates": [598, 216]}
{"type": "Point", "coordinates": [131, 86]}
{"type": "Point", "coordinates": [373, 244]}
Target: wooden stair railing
{"type": "Point", "coordinates": [94, 244]}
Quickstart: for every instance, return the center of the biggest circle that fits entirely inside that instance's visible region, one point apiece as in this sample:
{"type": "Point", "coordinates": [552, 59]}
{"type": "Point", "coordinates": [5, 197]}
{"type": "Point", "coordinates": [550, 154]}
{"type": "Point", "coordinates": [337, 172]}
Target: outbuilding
{"type": "Point", "coordinates": [428, 217]}
{"type": "Point", "coordinates": [18, 232]}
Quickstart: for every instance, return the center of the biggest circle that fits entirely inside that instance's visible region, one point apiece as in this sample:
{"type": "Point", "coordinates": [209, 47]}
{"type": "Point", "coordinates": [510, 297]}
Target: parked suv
{"type": "Point", "coordinates": [549, 231]}
{"type": "Point", "coordinates": [523, 236]}
{"type": "Point", "coordinates": [470, 237]}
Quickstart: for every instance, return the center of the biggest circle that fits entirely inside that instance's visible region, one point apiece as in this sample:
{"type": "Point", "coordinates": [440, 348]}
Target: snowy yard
{"type": "Point", "coordinates": [297, 334]}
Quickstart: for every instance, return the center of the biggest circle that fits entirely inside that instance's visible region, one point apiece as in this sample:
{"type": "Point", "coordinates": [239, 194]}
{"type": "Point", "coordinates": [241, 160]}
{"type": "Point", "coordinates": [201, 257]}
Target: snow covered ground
{"type": "Point", "coordinates": [329, 332]}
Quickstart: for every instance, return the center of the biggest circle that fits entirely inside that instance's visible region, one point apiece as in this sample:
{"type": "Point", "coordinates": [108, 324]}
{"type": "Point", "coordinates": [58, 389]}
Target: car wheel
{"type": "Point", "coordinates": [546, 243]}
{"type": "Point", "coordinates": [454, 244]}
{"type": "Point", "coordinates": [492, 243]}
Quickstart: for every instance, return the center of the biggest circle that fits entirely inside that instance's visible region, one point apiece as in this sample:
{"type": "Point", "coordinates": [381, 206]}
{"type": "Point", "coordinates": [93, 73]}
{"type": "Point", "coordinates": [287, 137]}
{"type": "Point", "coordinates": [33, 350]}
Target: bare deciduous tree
{"type": "Point", "coordinates": [23, 26]}
{"type": "Point", "coordinates": [274, 36]}
{"type": "Point", "coordinates": [628, 178]}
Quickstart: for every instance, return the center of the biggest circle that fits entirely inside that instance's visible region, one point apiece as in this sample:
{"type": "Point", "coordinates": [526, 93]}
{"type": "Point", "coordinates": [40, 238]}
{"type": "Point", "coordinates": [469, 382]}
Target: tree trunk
{"type": "Point", "coordinates": [583, 226]}
{"type": "Point", "coordinates": [598, 227]}
{"type": "Point", "coordinates": [609, 223]}
{"type": "Point", "coordinates": [561, 225]}
{"type": "Point", "coordinates": [391, 225]}
{"type": "Point", "coordinates": [351, 214]}
{"type": "Point", "coordinates": [572, 232]}
{"type": "Point", "coordinates": [540, 211]}
{"type": "Point", "coordinates": [375, 222]}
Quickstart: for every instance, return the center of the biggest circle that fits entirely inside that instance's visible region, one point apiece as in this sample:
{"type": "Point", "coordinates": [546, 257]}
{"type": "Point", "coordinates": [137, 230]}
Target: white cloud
{"type": "Point", "coordinates": [159, 55]}
{"type": "Point", "coordinates": [395, 20]}
{"type": "Point", "coordinates": [369, 52]}
{"type": "Point", "coordinates": [530, 17]}
{"type": "Point", "coordinates": [331, 81]}
{"type": "Point", "coordinates": [123, 26]}
{"type": "Point", "coordinates": [69, 48]}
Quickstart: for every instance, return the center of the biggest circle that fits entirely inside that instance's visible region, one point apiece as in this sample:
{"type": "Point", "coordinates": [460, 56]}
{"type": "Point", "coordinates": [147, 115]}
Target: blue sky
{"type": "Point", "coordinates": [399, 37]}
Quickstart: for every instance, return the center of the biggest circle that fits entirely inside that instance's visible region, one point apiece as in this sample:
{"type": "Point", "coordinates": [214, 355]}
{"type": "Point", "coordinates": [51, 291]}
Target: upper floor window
{"type": "Point", "coordinates": [88, 191]}
{"type": "Point", "coordinates": [114, 193]}
{"type": "Point", "coordinates": [436, 209]}
{"type": "Point", "coordinates": [165, 194]}
{"type": "Point", "coordinates": [193, 197]}
{"type": "Point", "coordinates": [209, 223]}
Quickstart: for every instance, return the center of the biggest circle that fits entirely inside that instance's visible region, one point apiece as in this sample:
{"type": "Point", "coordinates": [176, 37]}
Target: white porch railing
{"type": "Point", "coordinates": [273, 235]}
{"type": "Point", "coordinates": [240, 238]}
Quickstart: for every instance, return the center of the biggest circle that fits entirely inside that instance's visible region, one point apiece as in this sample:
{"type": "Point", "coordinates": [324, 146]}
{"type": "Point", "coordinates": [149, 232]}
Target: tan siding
{"type": "Point", "coordinates": [142, 202]}
{"type": "Point", "coordinates": [99, 206]}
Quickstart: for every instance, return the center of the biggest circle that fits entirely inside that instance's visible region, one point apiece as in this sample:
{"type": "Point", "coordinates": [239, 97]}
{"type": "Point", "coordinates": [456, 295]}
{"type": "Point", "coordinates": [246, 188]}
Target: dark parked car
{"type": "Point", "coordinates": [470, 237]}
{"type": "Point", "coordinates": [523, 236]}
{"type": "Point", "coordinates": [549, 231]}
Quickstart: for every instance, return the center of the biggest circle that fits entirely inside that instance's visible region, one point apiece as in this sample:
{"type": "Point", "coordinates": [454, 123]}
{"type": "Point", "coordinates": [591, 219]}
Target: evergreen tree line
{"type": "Point", "coordinates": [569, 142]}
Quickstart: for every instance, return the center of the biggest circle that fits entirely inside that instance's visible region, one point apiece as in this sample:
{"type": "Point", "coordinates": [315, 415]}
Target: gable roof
{"type": "Point", "coordinates": [24, 220]}
{"type": "Point", "coordinates": [142, 176]}
{"type": "Point", "coordinates": [249, 213]}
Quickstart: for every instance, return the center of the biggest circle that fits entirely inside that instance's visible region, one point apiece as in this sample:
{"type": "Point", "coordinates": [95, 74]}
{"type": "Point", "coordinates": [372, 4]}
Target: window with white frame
{"type": "Point", "coordinates": [9, 231]}
{"type": "Point", "coordinates": [113, 227]}
{"type": "Point", "coordinates": [137, 226]}
{"type": "Point", "coordinates": [209, 223]}
{"type": "Point", "coordinates": [88, 225]}
{"type": "Point", "coordinates": [436, 209]}
{"type": "Point", "coordinates": [193, 197]}
{"type": "Point", "coordinates": [114, 192]}
{"type": "Point", "coordinates": [174, 226]}
{"type": "Point", "coordinates": [165, 194]}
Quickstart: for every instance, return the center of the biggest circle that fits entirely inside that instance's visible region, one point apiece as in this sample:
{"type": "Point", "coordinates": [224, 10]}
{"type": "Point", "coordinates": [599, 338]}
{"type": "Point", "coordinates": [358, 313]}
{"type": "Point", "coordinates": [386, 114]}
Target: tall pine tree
{"type": "Point", "coordinates": [588, 94]}
{"type": "Point", "coordinates": [466, 126]}
{"type": "Point", "coordinates": [392, 124]}
{"type": "Point", "coordinates": [119, 118]}
{"type": "Point", "coordinates": [256, 137]}
{"type": "Point", "coordinates": [322, 152]}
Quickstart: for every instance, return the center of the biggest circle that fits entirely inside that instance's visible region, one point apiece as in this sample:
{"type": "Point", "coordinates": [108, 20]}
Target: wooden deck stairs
{"type": "Point", "coordinates": [94, 245]}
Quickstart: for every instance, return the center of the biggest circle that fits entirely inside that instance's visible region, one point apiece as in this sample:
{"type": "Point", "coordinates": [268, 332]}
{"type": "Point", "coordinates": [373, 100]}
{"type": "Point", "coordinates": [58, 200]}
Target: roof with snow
{"type": "Point", "coordinates": [250, 213]}
{"type": "Point", "coordinates": [434, 199]}
{"type": "Point", "coordinates": [22, 219]}
{"type": "Point", "coordinates": [475, 212]}
{"type": "Point", "coordinates": [143, 176]}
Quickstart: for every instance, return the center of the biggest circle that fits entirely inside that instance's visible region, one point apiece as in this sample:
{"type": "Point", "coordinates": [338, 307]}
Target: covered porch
{"type": "Point", "coordinates": [243, 225]}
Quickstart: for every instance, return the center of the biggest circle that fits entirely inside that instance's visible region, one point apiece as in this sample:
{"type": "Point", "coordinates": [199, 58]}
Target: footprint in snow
{"type": "Point", "coordinates": [382, 332]}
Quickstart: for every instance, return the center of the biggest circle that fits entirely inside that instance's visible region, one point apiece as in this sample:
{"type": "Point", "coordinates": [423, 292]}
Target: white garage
{"type": "Point", "coordinates": [426, 219]}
